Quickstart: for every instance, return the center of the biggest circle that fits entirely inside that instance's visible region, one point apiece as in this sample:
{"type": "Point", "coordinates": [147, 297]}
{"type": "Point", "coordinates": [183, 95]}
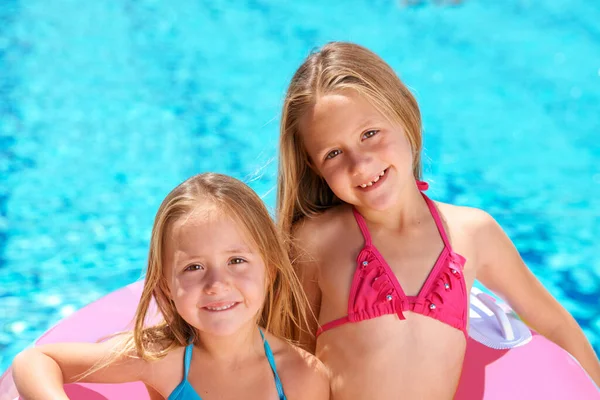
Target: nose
{"type": "Point", "coordinates": [358, 163]}
{"type": "Point", "coordinates": [216, 281]}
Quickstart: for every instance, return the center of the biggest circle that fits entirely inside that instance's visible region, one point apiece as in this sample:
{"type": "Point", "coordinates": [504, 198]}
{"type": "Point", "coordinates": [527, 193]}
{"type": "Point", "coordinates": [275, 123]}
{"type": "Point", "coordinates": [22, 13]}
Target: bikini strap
{"type": "Point", "coordinates": [363, 226]}
{"type": "Point", "coordinates": [422, 185]}
{"type": "Point", "coordinates": [438, 221]}
{"type": "Point", "coordinates": [187, 358]}
{"type": "Point", "coordinates": [271, 359]}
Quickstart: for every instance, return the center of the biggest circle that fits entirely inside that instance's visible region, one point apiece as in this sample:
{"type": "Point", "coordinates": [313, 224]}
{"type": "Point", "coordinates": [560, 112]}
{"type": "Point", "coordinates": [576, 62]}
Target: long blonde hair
{"type": "Point", "coordinates": [284, 308]}
{"type": "Point", "coordinates": [337, 66]}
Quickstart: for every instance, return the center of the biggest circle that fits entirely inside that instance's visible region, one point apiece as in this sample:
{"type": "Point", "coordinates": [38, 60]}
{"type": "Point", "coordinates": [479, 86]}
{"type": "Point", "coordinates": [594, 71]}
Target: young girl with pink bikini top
{"type": "Point", "coordinates": [388, 270]}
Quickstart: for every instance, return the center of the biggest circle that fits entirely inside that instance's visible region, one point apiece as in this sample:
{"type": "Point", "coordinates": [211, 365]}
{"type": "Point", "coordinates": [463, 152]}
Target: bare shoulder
{"type": "Point", "coordinates": [468, 219]}
{"type": "Point", "coordinates": [167, 372]}
{"type": "Point", "coordinates": [160, 375]}
{"type": "Point", "coordinates": [312, 235]}
{"type": "Point", "coordinates": [302, 375]}
{"type": "Point", "coordinates": [470, 230]}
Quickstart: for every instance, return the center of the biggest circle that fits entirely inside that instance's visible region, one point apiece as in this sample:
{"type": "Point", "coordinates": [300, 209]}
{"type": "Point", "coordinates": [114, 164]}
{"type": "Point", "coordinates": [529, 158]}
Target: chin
{"type": "Point", "coordinates": [222, 328]}
{"type": "Point", "coordinates": [226, 325]}
{"type": "Point", "coordinates": [381, 203]}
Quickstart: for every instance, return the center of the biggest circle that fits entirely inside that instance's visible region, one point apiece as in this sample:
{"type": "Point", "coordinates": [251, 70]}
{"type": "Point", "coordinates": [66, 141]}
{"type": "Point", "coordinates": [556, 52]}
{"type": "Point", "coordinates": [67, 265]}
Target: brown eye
{"type": "Point", "coordinates": [333, 154]}
{"type": "Point", "coordinates": [237, 260]}
{"type": "Point", "coordinates": [194, 267]}
{"type": "Point", "coordinates": [369, 134]}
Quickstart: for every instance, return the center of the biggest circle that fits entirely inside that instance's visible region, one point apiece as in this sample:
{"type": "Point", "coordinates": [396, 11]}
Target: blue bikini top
{"type": "Point", "coordinates": [185, 391]}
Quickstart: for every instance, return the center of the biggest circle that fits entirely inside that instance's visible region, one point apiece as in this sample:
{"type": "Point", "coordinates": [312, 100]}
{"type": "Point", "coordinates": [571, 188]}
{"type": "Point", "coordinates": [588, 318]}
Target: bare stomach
{"type": "Point", "coordinates": [384, 358]}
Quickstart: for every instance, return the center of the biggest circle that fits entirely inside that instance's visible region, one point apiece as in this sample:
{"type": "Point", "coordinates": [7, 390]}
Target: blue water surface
{"type": "Point", "coordinates": [106, 105]}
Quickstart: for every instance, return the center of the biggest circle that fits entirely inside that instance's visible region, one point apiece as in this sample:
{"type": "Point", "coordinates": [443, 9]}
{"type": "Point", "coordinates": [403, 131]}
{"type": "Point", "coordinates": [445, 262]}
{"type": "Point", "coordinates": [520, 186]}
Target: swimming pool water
{"type": "Point", "coordinates": [107, 105]}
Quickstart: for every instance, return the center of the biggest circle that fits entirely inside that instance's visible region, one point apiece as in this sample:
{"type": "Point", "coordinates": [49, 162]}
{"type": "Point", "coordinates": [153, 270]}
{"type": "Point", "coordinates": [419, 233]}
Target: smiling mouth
{"type": "Point", "coordinates": [223, 306]}
{"type": "Point", "coordinates": [374, 180]}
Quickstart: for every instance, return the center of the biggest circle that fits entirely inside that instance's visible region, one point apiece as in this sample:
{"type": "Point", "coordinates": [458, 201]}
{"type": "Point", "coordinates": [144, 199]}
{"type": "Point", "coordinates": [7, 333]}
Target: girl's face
{"type": "Point", "coordinates": [216, 275]}
{"type": "Point", "coordinates": [364, 158]}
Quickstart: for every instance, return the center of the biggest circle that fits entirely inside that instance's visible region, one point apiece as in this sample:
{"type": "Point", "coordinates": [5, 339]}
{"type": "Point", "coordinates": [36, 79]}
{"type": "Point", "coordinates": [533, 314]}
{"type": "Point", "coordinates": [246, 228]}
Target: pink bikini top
{"type": "Point", "coordinates": [376, 291]}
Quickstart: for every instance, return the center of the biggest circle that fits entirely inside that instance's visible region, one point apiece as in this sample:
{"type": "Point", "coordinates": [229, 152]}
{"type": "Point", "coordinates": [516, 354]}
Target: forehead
{"type": "Point", "coordinates": [207, 231]}
{"type": "Point", "coordinates": [337, 113]}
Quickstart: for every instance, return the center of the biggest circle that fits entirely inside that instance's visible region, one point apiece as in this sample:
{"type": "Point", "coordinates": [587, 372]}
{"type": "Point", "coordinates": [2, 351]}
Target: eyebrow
{"type": "Point", "coordinates": [368, 122]}
{"type": "Point", "coordinates": [234, 250]}
{"type": "Point", "coordinates": [325, 146]}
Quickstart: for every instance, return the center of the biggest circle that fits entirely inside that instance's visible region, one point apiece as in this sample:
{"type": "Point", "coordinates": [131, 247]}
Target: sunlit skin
{"type": "Point", "coordinates": [349, 144]}
{"type": "Point", "coordinates": [217, 281]}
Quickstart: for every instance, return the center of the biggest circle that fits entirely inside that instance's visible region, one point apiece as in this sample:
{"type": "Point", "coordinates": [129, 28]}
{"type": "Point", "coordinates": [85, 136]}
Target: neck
{"type": "Point", "coordinates": [232, 349]}
{"type": "Point", "coordinates": [409, 208]}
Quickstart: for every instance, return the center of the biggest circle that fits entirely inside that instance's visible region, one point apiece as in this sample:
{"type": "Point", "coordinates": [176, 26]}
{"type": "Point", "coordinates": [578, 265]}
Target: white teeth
{"type": "Point", "coordinates": [225, 307]}
{"type": "Point", "coordinates": [364, 185]}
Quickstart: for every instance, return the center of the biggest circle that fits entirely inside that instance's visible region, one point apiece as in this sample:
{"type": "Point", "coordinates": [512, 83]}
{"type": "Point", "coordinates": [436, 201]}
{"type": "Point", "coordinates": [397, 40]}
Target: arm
{"type": "Point", "coordinates": [317, 387]}
{"type": "Point", "coordinates": [501, 269]}
{"type": "Point", "coordinates": [40, 372]}
{"type": "Point", "coordinates": [306, 378]}
{"type": "Point", "coordinates": [306, 266]}
{"type": "Point", "coordinates": [153, 394]}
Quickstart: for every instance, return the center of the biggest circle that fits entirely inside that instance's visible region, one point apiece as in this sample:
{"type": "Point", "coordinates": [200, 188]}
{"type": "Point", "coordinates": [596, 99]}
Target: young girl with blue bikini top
{"type": "Point", "coordinates": [222, 280]}
{"type": "Point", "coordinates": [387, 270]}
